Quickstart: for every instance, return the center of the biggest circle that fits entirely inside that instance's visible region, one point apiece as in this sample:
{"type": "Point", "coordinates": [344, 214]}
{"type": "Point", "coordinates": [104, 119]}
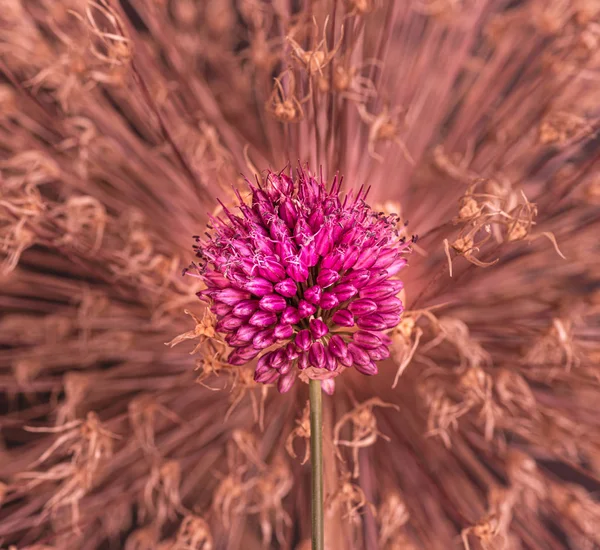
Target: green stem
{"type": "Point", "coordinates": [316, 458]}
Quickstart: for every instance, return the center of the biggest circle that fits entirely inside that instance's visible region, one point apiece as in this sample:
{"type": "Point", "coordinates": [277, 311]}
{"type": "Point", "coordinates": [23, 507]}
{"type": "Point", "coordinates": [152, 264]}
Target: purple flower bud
{"type": "Point", "coordinates": [303, 362]}
{"type": "Point", "coordinates": [283, 332]}
{"type": "Point", "coordinates": [277, 230]}
{"type": "Point", "coordinates": [317, 328]}
{"type": "Point", "coordinates": [350, 258]}
{"type": "Point", "coordinates": [290, 316]}
{"type": "Point", "coordinates": [245, 308]}
{"type": "Point", "coordinates": [273, 302]}
{"type": "Point", "coordinates": [316, 220]}
{"type": "Point", "coordinates": [246, 332]}
{"type": "Point", "coordinates": [385, 258]}
{"type": "Point", "coordinates": [272, 269]}
{"type": "Point", "coordinates": [378, 277]}
{"type": "Point", "coordinates": [329, 301]}
{"type": "Point", "coordinates": [390, 319]}
{"type": "Point", "coordinates": [380, 353]}
{"type": "Point", "coordinates": [308, 255]}
{"type": "Point", "coordinates": [303, 340]}
{"type": "Point", "coordinates": [259, 286]}
{"type": "Point", "coordinates": [327, 277]}
{"type": "Point", "coordinates": [366, 340]}
{"type": "Point", "coordinates": [216, 279]}
{"type": "Point", "coordinates": [263, 245]}
{"type": "Point", "coordinates": [263, 319]}
{"type": "Point", "coordinates": [348, 235]}
{"type": "Point", "coordinates": [302, 233]}
{"type": "Point", "coordinates": [266, 377]}
{"type": "Point", "coordinates": [371, 322]}
{"type": "Point", "coordinates": [248, 267]}
{"type": "Point", "coordinates": [366, 258]}
{"type": "Point", "coordinates": [363, 306]}
{"type": "Point", "coordinates": [207, 294]}
{"type": "Point", "coordinates": [337, 346]}
{"type": "Point", "coordinates": [398, 285]}
{"type": "Point", "coordinates": [359, 355]}
{"type": "Point", "coordinates": [346, 361]}
{"type": "Point", "coordinates": [274, 376]}
{"type": "Point", "coordinates": [316, 355]}
{"type": "Point", "coordinates": [229, 323]}
{"type": "Point", "coordinates": [259, 197]}
{"type": "Point", "coordinates": [297, 270]}
{"type": "Point", "coordinates": [241, 356]}
{"type": "Point", "coordinates": [343, 318]}
{"type": "Point", "coordinates": [323, 241]}
{"type": "Point", "coordinates": [345, 291]}
{"type": "Point", "coordinates": [334, 261]}
{"type": "Point", "coordinates": [396, 266]}
{"type": "Point", "coordinates": [234, 341]}
{"type": "Point", "coordinates": [357, 278]}
{"type": "Point", "coordinates": [288, 214]}
{"type": "Point", "coordinates": [264, 339]}
{"type": "Point", "coordinates": [336, 232]}
{"type": "Point", "coordinates": [231, 296]}
{"type": "Point", "coordinates": [390, 304]}
{"type": "Point", "coordinates": [276, 358]}
{"type": "Point", "coordinates": [285, 382]}
{"type": "Point", "coordinates": [305, 309]}
{"type": "Point", "coordinates": [286, 367]}
{"type": "Point", "coordinates": [282, 184]}
{"type": "Point", "coordinates": [313, 294]}
{"type": "Point", "coordinates": [370, 368]}
{"type": "Point", "coordinates": [328, 386]}
{"type": "Point", "coordinates": [291, 351]}
{"type": "Point", "coordinates": [262, 365]}
{"type": "Point", "coordinates": [286, 288]}
{"type": "Point", "coordinates": [378, 292]}
{"type": "Point", "coordinates": [220, 309]}
{"type": "Point", "coordinates": [330, 361]}
{"type": "Point", "coordinates": [286, 249]}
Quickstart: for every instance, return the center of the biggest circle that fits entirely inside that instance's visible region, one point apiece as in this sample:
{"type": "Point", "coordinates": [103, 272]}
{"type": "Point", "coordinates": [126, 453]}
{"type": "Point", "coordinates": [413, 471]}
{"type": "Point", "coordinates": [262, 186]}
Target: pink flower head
{"type": "Point", "coordinates": [302, 279]}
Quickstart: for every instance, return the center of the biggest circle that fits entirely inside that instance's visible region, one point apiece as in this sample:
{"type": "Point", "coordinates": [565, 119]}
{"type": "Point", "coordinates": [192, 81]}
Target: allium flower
{"type": "Point", "coordinates": [305, 277]}
{"type": "Point", "coordinates": [122, 122]}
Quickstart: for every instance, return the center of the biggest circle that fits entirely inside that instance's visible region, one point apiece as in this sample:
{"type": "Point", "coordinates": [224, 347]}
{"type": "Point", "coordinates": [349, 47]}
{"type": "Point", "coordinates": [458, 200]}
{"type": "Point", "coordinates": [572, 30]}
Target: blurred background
{"type": "Point", "coordinates": [122, 123]}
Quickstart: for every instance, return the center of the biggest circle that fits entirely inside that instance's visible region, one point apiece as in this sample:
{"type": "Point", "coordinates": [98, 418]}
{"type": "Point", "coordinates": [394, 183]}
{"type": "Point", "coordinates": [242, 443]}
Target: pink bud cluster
{"type": "Point", "coordinates": [303, 278]}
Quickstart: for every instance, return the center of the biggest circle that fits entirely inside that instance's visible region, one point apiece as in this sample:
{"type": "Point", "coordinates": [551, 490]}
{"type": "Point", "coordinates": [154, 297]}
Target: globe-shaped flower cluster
{"type": "Point", "coordinates": [304, 277]}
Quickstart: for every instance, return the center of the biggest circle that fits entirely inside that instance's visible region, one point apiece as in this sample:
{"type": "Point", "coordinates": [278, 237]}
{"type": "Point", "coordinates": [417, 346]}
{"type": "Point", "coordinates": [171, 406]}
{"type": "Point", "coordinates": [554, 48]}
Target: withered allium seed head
{"type": "Point", "coordinates": [303, 275]}
{"type": "Point", "coordinates": [122, 122]}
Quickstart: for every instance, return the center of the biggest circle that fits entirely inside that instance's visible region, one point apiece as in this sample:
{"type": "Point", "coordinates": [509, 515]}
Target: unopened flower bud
{"type": "Point", "coordinates": [317, 328]}
{"type": "Point", "coordinates": [303, 340]}
{"type": "Point", "coordinates": [272, 302]}
{"type": "Point", "coordinates": [313, 294]}
{"type": "Point", "coordinates": [305, 309]}
{"type": "Point", "coordinates": [286, 288]}
{"type": "Point", "coordinates": [282, 332]}
{"type": "Point", "coordinates": [343, 318]}
{"type": "Point", "coordinates": [316, 355]}
{"type": "Point", "coordinates": [366, 340]}
{"type": "Point", "coordinates": [327, 277]}
{"type": "Point", "coordinates": [263, 319]}
{"type": "Point", "coordinates": [290, 316]}
{"type": "Point", "coordinates": [363, 306]}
